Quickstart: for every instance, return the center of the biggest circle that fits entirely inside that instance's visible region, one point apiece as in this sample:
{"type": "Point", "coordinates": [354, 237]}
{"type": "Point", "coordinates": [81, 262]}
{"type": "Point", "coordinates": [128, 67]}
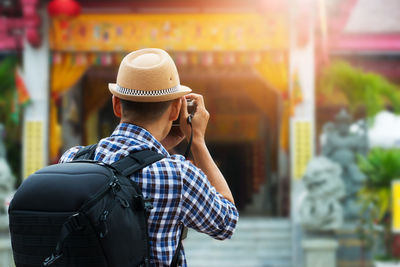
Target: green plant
{"type": "Point", "coordinates": [9, 115]}
{"type": "Point", "coordinates": [381, 167]}
{"type": "Point", "coordinates": [360, 88]}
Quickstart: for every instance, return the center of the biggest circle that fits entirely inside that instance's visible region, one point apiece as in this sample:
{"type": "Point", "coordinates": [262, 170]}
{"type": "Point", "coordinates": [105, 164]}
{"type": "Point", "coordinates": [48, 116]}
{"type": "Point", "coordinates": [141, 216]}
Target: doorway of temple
{"type": "Point", "coordinates": [242, 135]}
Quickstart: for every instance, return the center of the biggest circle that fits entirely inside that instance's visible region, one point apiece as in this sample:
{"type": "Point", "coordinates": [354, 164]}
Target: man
{"type": "Point", "coordinates": [148, 98]}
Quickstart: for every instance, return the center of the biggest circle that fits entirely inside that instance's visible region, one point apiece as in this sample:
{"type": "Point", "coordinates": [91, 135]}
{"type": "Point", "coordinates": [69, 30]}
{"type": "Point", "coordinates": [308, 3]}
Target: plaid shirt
{"type": "Point", "coordinates": [181, 193]}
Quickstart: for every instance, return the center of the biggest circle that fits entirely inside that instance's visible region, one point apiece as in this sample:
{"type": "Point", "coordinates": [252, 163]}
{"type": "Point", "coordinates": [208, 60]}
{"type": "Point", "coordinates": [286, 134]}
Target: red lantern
{"type": "Point", "coordinates": [33, 37]}
{"type": "Point", "coordinates": [64, 8]}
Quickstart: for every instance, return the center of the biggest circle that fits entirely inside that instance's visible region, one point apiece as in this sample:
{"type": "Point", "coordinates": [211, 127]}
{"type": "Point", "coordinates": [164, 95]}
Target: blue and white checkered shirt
{"type": "Point", "coordinates": [180, 191]}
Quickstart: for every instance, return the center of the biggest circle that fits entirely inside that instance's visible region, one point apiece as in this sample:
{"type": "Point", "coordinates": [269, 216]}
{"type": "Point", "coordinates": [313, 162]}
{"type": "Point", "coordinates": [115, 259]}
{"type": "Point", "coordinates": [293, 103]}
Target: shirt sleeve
{"type": "Point", "coordinates": [69, 154]}
{"type": "Point", "coordinates": [203, 208]}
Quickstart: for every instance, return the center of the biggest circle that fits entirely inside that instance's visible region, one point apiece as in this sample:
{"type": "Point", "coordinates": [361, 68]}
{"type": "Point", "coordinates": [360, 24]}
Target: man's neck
{"type": "Point", "coordinates": [155, 129]}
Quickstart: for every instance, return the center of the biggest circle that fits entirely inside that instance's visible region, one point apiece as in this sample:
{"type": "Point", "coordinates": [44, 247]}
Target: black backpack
{"type": "Point", "coordinates": [83, 213]}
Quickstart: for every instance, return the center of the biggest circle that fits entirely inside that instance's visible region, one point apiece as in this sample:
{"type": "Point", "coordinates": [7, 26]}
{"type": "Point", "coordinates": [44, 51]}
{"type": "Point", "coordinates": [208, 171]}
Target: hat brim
{"type": "Point", "coordinates": [181, 91]}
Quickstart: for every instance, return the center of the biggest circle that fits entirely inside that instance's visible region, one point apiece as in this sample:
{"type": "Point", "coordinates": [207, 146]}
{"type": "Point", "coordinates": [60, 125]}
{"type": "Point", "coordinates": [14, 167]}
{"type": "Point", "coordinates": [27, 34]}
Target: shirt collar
{"type": "Point", "coordinates": [139, 134]}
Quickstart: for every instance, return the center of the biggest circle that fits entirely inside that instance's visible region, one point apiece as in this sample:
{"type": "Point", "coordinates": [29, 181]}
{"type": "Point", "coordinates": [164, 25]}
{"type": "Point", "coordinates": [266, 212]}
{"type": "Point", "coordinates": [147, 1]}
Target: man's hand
{"type": "Point", "coordinates": [199, 123]}
{"type": "Point", "coordinates": [199, 120]}
{"type": "Point", "coordinates": [174, 137]}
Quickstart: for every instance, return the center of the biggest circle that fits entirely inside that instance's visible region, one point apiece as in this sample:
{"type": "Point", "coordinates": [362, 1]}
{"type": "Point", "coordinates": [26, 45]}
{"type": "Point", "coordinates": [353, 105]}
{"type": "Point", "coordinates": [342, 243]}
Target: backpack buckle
{"type": "Point", "coordinates": [51, 259]}
{"type": "Point", "coordinates": [75, 222]}
{"type": "Point", "coordinates": [148, 205]}
{"type": "Point", "coordinates": [143, 203]}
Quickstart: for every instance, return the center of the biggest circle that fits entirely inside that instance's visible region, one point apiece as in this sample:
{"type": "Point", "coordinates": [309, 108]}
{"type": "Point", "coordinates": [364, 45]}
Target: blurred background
{"type": "Point", "coordinates": [303, 97]}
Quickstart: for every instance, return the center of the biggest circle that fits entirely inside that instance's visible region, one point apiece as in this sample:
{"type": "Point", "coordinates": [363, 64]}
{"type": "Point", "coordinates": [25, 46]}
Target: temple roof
{"type": "Point", "coordinates": [374, 17]}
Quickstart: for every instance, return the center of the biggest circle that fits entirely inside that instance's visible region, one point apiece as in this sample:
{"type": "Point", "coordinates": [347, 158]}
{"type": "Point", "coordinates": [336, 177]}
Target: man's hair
{"type": "Point", "coordinates": [144, 111]}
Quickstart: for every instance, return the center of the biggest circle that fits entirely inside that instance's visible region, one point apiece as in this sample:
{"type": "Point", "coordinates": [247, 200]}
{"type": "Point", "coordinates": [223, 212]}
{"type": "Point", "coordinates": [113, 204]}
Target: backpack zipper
{"type": "Point", "coordinates": [114, 185]}
{"type": "Point", "coordinates": [107, 211]}
{"type": "Point", "coordinates": [103, 224]}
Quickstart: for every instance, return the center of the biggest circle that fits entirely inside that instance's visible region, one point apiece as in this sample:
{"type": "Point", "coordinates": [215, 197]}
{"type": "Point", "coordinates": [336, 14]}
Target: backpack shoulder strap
{"type": "Point", "coordinates": [138, 160]}
{"type": "Point", "coordinates": [135, 161]}
{"type": "Point", "coordinates": [86, 152]}
{"type": "Point", "coordinates": [182, 236]}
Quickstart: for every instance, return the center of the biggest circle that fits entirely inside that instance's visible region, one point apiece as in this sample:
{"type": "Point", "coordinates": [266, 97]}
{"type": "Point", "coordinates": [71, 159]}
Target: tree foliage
{"type": "Point", "coordinates": [360, 88]}
{"type": "Point", "coordinates": [8, 108]}
{"type": "Point", "coordinates": [381, 167]}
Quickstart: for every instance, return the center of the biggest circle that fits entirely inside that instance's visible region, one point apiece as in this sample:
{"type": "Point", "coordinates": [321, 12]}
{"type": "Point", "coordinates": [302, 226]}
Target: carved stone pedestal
{"type": "Point", "coordinates": [6, 258]}
{"type": "Point", "coordinates": [386, 264]}
{"type": "Point", "coordinates": [352, 251]}
{"type": "Point", "coordinates": [320, 252]}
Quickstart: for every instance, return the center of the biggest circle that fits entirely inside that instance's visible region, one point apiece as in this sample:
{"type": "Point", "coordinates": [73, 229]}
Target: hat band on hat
{"type": "Point", "coordinates": [134, 92]}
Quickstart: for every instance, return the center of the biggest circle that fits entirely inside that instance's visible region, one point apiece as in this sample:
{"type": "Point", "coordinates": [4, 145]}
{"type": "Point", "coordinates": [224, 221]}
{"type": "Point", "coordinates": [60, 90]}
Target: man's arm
{"type": "Point", "coordinates": [69, 154]}
{"type": "Point", "coordinates": [203, 208]}
{"type": "Point", "coordinates": [201, 155]}
{"type": "Point", "coordinates": [204, 161]}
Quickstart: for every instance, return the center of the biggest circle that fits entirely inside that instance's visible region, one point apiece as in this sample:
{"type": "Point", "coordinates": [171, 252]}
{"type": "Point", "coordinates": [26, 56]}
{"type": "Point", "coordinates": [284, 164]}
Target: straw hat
{"type": "Point", "coordinates": [148, 75]}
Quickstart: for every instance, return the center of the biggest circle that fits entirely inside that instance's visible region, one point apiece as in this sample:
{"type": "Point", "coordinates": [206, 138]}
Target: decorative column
{"type": "Point", "coordinates": [36, 76]}
{"type": "Point", "coordinates": [301, 87]}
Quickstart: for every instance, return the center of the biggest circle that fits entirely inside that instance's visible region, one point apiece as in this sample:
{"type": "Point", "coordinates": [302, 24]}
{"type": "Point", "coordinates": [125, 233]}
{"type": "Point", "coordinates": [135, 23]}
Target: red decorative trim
{"type": "Point", "coordinates": [340, 42]}
{"type": "Point", "coordinates": [338, 23]}
{"type": "Point", "coordinates": [176, 6]}
{"type": "Point", "coordinates": [12, 30]}
{"type": "Point", "coordinates": [367, 43]}
{"type": "Point", "coordinates": [336, 26]}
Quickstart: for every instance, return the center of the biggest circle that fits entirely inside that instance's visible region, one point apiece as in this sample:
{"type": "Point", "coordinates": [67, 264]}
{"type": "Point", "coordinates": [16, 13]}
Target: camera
{"type": "Point", "coordinates": [191, 108]}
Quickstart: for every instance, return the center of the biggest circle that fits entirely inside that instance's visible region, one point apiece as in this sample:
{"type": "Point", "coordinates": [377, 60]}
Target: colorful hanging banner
{"type": "Point", "coordinates": [33, 156]}
{"type": "Point", "coordinates": [23, 94]}
{"type": "Point", "coordinates": [206, 59]}
{"type": "Point", "coordinates": [396, 206]}
{"type": "Point", "coordinates": [173, 32]}
{"type": "Point", "coordinates": [303, 147]}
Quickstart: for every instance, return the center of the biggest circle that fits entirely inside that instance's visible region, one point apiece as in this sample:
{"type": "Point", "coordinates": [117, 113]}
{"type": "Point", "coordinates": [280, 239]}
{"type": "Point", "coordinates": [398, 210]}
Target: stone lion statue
{"type": "Point", "coordinates": [321, 209]}
{"type": "Point", "coordinates": [342, 146]}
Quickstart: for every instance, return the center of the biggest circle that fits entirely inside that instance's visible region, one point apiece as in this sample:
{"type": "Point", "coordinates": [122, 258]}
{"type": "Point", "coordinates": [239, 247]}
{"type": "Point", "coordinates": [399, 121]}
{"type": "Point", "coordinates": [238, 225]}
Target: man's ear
{"type": "Point", "coordinates": [175, 109]}
{"type": "Point", "coordinates": [117, 106]}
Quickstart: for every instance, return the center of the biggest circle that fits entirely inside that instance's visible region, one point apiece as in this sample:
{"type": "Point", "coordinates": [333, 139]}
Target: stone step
{"type": "Point", "coordinates": [258, 242]}
{"type": "Point", "coordinates": [251, 223]}
{"type": "Point", "coordinates": [233, 245]}
{"type": "Point", "coordinates": [250, 236]}
{"type": "Point", "coordinates": [253, 233]}
{"type": "Point", "coordinates": [247, 253]}
{"type": "Point", "coordinates": [238, 263]}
